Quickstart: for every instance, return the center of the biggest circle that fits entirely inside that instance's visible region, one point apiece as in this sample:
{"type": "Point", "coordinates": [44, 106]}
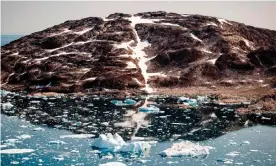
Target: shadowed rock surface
{"type": "Point", "coordinates": [96, 54]}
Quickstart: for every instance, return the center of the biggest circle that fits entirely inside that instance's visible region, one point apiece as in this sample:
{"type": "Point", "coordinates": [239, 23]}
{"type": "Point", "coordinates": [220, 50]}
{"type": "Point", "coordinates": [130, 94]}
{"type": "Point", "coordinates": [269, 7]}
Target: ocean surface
{"type": "Point", "coordinates": [29, 139]}
{"type": "Point", "coordinates": [5, 39]}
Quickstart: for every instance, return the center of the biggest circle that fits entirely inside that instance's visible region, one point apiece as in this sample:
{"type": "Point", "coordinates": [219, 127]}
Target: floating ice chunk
{"type": "Point", "coordinates": [113, 164]}
{"type": "Point", "coordinates": [253, 150]}
{"type": "Point", "coordinates": [186, 148]}
{"type": "Point", "coordinates": [213, 115]}
{"type": "Point", "coordinates": [233, 154]}
{"type": "Point", "coordinates": [16, 151]}
{"type": "Point", "coordinates": [38, 129]}
{"type": "Point", "coordinates": [150, 109]}
{"type": "Point", "coordinates": [265, 118]}
{"type": "Point", "coordinates": [59, 158]}
{"type": "Point", "coordinates": [6, 106]}
{"type": "Point", "coordinates": [24, 136]}
{"type": "Point", "coordinates": [4, 146]}
{"type": "Point", "coordinates": [115, 143]}
{"type": "Point", "coordinates": [58, 142]}
{"type": "Point", "coordinates": [125, 103]}
{"type": "Point", "coordinates": [75, 151]}
{"type": "Point", "coordinates": [107, 142]}
{"type": "Point", "coordinates": [130, 102]}
{"type": "Point", "coordinates": [15, 162]}
{"type": "Point", "coordinates": [245, 143]}
{"type": "Point", "coordinates": [77, 136]}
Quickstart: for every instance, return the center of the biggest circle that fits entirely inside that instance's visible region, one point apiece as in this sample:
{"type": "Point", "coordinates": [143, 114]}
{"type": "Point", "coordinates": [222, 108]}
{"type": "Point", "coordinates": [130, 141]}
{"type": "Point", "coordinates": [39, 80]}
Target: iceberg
{"type": "Point", "coordinates": [186, 148]}
{"type": "Point", "coordinates": [126, 102]}
{"type": "Point", "coordinates": [150, 109]}
{"type": "Point", "coordinates": [6, 106]}
{"type": "Point", "coordinates": [113, 164]}
{"type": "Point", "coordinates": [190, 102]}
{"type": "Point", "coordinates": [115, 143]}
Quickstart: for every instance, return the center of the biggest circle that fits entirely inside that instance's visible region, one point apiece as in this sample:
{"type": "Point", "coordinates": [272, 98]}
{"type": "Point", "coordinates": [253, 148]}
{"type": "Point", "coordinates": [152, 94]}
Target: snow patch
{"type": "Point", "coordinates": [90, 79]}
{"type": "Point", "coordinates": [83, 31]}
{"type": "Point", "coordinates": [194, 37]}
{"type": "Point", "coordinates": [64, 31]}
{"type": "Point", "coordinates": [213, 61]}
{"type": "Point", "coordinates": [165, 23]}
{"type": "Point", "coordinates": [131, 65]}
{"type": "Point", "coordinates": [222, 21]}
{"type": "Point", "coordinates": [138, 82]}
{"type": "Point", "coordinates": [211, 23]}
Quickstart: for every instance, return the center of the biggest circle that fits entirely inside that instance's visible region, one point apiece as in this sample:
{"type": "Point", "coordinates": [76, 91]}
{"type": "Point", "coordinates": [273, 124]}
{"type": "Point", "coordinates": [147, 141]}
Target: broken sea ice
{"type": "Point", "coordinates": [186, 148]}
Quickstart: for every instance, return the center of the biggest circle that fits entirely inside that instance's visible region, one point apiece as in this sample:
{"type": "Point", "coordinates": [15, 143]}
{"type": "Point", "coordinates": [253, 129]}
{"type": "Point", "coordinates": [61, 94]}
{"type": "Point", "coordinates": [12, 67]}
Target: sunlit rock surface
{"type": "Point", "coordinates": [139, 53]}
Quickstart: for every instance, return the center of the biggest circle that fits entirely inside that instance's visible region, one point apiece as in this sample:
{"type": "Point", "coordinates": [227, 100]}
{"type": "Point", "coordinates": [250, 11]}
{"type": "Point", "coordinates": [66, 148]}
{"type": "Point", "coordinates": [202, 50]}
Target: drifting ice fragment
{"type": "Point", "coordinates": [150, 109]}
{"type": "Point", "coordinates": [186, 148]}
{"type": "Point", "coordinates": [6, 106]}
{"type": "Point", "coordinates": [127, 102]}
{"type": "Point", "coordinates": [115, 143]}
{"type": "Point", "coordinates": [16, 151]}
{"type": "Point", "coordinates": [113, 164]}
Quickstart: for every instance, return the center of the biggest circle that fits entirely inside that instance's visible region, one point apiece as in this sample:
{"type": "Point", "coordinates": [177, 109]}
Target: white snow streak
{"type": "Point", "coordinates": [222, 21]}
{"type": "Point", "coordinates": [83, 31]}
{"type": "Point", "coordinates": [131, 65]}
{"type": "Point", "coordinates": [194, 37]}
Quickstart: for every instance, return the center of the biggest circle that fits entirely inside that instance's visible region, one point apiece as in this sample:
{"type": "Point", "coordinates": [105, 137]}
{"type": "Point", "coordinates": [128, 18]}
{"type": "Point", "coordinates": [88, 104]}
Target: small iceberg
{"type": "Point", "coordinates": [150, 109]}
{"type": "Point", "coordinates": [186, 148]}
{"type": "Point", "coordinates": [16, 151]}
{"type": "Point", "coordinates": [113, 164]}
{"type": "Point", "coordinates": [190, 102]}
{"type": "Point", "coordinates": [126, 102]}
{"type": "Point", "coordinates": [6, 106]}
{"type": "Point", "coordinates": [115, 143]}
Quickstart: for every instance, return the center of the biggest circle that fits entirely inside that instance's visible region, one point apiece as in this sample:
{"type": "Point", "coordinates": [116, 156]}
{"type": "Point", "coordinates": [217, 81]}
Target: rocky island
{"type": "Point", "coordinates": [150, 52]}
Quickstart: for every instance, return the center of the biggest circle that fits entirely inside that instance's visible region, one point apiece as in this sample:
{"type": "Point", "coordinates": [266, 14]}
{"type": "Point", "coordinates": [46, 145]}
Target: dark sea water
{"type": "Point", "coordinates": [27, 126]}
{"type": "Point", "coordinates": [5, 39]}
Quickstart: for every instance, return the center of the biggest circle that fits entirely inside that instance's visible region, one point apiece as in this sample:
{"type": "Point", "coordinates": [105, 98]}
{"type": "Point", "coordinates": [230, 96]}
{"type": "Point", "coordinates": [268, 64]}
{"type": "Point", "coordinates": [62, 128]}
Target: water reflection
{"type": "Point", "coordinates": [97, 115]}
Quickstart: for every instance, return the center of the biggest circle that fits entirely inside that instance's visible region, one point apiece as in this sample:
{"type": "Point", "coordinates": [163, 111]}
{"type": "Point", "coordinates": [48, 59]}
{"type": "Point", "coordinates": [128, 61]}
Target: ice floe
{"type": "Point", "coordinates": [16, 151]}
{"type": "Point", "coordinates": [149, 109]}
{"type": "Point", "coordinates": [6, 106]}
{"type": "Point", "coordinates": [113, 164]}
{"type": "Point", "coordinates": [123, 103]}
{"type": "Point", "coordinates": [58, 142]}
{"type": "Point", "coordinates": [79, 136]}
{"type": "Point", "coordinates": [115, 143]}
{"type": "Point", "coordinates": [24, 136]}
{"type": "Point", "coordinates": [186, 148]}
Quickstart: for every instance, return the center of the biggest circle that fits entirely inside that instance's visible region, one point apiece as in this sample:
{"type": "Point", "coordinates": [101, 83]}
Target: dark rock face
{"type": "Point", "coordinates": [83, 55]}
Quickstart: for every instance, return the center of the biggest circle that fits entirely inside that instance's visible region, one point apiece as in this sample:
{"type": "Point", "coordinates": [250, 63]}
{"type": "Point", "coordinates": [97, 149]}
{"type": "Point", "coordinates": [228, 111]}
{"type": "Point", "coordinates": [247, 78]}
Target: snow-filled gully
{"type": "Point", "coordinates": [139, 54]}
